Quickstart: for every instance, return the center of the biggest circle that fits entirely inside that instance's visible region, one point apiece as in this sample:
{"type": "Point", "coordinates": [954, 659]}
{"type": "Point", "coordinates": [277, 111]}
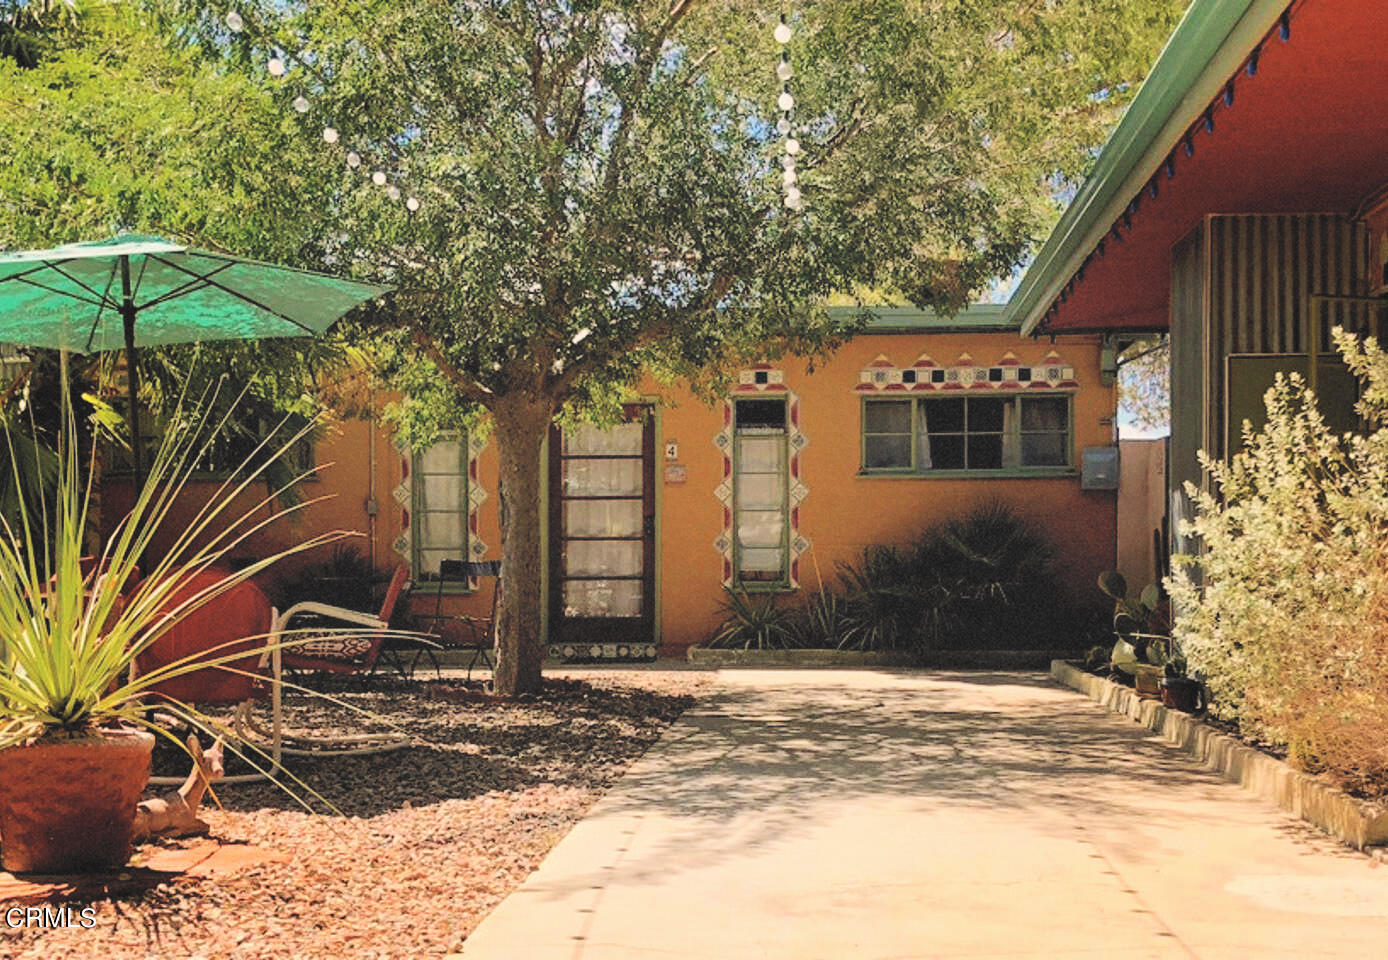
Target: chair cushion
{"type": "Point", "coordinates": [331, 647]}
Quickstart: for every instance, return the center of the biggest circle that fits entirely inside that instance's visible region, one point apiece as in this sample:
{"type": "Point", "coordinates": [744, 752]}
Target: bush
{"type": "Point", "coordinates": [1284, 610]}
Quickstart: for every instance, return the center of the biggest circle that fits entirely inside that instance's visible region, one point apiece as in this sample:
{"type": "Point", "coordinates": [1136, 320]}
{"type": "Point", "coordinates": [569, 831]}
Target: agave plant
{"type": "Point", "coordinates": [71, 628]}
{"type": "Point", "coordinates": [753, 621]}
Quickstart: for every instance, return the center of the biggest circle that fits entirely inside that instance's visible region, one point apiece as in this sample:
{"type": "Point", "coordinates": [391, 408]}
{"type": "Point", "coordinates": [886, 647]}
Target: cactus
{"type": "Point", "coordinates": [1138, 622]}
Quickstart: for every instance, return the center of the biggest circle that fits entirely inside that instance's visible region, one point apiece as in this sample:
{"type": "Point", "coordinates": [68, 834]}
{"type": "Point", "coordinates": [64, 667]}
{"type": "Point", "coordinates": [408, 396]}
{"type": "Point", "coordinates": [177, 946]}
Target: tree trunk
{"type": "Point", "coordinates": [521, 426]}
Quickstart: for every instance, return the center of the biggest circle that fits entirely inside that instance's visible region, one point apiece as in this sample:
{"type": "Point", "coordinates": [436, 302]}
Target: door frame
{"type": "Point", "coordinates": [548, 581]}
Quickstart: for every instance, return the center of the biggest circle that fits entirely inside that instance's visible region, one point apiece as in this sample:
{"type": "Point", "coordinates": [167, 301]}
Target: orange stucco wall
{"type": "Point", "coordinates": [842, 513]}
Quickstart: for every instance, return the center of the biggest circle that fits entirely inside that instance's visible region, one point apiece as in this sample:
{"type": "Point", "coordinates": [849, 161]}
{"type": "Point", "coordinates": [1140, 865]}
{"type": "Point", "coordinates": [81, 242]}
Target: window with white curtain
{"type": "Point", "coordinates": [926, 435]}
{"type": "Point", "coordinates": [439, 509]}
{"type": "Point", "coordinates": [760, 497]}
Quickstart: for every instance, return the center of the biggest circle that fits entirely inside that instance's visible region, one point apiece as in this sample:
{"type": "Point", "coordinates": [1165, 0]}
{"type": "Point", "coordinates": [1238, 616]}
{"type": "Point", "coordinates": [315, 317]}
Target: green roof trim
{"type": "Point", "coordinates": [1208, 46]}
{"type": "Point", "coordinates": [977, 318]}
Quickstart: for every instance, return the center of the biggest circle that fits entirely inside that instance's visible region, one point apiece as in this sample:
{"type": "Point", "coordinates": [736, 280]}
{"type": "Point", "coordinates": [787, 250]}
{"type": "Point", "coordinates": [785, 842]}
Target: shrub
{"type": "Point", "coordinates": [1284, 610]}
{"type": "Point", "coordinates": [753, 621]}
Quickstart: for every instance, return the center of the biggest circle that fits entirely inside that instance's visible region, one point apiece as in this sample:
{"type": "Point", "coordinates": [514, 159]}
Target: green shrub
{"type": "Point", "coordinates": [1284, 609]}
{"type": "Point", "coordinates": [753, 622]}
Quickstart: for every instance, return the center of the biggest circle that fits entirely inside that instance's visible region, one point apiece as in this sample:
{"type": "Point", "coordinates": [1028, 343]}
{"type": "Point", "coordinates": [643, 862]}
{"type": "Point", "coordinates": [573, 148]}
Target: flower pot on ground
{"type": "Point", "coordinates": [73, 755]}
{"type": "Point", "coordinates": [68, 804]}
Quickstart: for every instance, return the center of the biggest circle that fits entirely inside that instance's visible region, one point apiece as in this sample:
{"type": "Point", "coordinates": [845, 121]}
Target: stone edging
{"type": "Point", "coordinates": [963, 659]}
{"type": "Point", "coordinates": [1352, 821]}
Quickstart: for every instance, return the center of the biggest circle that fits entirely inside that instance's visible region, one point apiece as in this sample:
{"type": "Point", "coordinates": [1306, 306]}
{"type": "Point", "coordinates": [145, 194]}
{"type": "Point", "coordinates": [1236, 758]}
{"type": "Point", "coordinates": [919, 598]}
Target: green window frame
{"type": "Point", "coordinates": [761, 494]}
{"type": "Point", "coordinates": [950, 435]}
{"type": "Point", "coordinates": [439, 509]}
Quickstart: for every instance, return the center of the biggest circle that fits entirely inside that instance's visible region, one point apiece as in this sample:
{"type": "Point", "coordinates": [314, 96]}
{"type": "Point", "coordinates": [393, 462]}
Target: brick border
{"type": "Point", "coordinates": [1351, 821]}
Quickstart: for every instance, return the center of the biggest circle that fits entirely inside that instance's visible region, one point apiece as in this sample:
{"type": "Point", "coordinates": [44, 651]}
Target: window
{"type": "Point", "coordinates": [936, 434]}
{"type": "Point", "coordinates": [439, 511]}
{"type": "Point", "coordinates": [760, 499]}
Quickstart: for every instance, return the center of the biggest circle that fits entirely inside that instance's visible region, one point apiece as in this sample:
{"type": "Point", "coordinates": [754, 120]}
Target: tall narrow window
{"type": "Point", "coordinates": [440, 506]}
{"type": "Point", "coordinates": [759, 492]}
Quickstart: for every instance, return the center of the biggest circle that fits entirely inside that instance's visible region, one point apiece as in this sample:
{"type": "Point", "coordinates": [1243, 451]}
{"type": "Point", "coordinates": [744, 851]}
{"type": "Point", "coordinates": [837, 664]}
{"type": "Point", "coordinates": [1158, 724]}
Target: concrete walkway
{"type": "Point", "coordinates": [881, 814]}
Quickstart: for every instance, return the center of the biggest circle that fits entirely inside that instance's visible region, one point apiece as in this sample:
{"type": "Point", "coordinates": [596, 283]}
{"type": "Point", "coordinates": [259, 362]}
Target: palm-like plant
{"type": "Point", "coordinates": [70, 630]}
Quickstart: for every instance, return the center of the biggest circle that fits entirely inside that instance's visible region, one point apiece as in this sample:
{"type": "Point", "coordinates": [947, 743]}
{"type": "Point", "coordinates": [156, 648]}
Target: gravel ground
{"type": "Point", "coordinates": [426, 840]}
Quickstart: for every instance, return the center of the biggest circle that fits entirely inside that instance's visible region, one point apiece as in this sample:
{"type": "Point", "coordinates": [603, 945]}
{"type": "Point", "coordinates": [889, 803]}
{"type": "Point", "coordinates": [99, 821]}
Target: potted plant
{"type": "Point", "coordinates": [75, 733]}
{"type": "Point", "coordinates": [1179, 690]}
{"type": "Point", "coordinates": [1142, 647]}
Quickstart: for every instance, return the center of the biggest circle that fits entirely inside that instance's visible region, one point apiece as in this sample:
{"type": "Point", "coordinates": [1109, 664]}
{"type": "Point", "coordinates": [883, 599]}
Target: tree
{"type": "Point", "coordinates": [1144, 382]}
{"type": "Point", "coordinates": [599, 185]}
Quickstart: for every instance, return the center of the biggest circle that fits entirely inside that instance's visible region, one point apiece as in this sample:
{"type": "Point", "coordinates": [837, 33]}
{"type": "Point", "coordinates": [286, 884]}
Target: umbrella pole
{"type": "Point", "coordinates": [132, 374]}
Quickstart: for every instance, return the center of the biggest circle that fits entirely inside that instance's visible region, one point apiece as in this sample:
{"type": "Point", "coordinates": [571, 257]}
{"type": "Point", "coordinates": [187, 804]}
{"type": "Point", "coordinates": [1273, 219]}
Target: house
{"type": "Point", "coordinates": [793, 473]}
{"type": "Point", "coordinates": [1242, 206]}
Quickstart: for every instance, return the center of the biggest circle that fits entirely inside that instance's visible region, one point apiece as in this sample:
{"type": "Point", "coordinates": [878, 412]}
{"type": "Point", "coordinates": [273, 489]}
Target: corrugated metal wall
{"type": "Point", "coordinates": [1261, 272]}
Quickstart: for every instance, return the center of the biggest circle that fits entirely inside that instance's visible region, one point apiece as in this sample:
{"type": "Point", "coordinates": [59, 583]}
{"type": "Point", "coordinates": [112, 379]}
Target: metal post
{"type": "Point", "coordinates": [132, 374]}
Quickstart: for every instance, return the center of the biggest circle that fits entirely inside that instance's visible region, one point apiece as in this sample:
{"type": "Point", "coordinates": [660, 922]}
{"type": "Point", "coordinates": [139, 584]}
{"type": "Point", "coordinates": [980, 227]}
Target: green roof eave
{"type": "Point", "coordinates": [976, 318]}
{"type": "Point", "coordinates": [1207, 47]}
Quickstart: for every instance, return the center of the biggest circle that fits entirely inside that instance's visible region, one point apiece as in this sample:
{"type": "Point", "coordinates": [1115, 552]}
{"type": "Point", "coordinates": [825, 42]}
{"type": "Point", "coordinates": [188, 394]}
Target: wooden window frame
{"type": "Point", "coordinates": [782, 584]}
{"type": "Point", "coordinates": [915, 471]}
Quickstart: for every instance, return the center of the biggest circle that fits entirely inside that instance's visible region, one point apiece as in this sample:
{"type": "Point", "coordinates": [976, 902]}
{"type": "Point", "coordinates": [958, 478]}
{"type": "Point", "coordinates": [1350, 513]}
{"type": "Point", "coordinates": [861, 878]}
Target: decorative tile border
{"type": "Point", "coordinates": [579, 652]}
{"type": "Point", "coordinates": [924, 374]}
{"type": "Point", "coordinates": [762, 378]}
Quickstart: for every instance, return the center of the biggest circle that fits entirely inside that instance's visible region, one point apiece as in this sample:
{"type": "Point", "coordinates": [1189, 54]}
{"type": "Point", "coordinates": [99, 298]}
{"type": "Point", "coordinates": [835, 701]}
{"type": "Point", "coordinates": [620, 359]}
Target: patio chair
{"type": "Point", "coordinates": [341, 650]}
{"type": "Point", "coordinates": [479, 633]}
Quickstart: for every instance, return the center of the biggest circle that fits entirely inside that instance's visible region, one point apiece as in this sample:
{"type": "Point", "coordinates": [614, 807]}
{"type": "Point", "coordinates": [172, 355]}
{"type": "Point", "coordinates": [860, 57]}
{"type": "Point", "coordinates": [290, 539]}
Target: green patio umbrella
{"type": "Point", "coordinates": [135, 291]}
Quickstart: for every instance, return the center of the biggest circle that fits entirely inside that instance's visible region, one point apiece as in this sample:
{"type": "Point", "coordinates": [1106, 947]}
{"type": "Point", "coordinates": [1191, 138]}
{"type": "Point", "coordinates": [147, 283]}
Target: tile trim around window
{"type": "Point", "coordinates": [403, 495]}
{"type": "Point", "coordinates": [762, 379]}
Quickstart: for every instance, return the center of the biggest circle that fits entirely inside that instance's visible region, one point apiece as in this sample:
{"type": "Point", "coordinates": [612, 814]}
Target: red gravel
{"type": "Point", "coordinates": [427, 839]}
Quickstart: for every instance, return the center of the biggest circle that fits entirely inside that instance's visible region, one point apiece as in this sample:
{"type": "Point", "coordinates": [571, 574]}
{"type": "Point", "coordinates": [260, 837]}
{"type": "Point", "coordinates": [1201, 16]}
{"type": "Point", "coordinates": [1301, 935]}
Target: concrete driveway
{"type": "Point", "coordinates": [805, 814]}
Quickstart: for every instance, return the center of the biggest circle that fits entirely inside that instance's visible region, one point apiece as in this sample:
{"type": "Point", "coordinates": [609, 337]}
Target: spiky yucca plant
{"type": "Point", "coordinates": [69, 635]}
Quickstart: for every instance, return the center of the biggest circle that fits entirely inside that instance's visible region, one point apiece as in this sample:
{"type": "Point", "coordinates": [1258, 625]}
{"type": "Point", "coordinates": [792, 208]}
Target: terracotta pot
{"type": "Point", "coordinates": [68, 806]}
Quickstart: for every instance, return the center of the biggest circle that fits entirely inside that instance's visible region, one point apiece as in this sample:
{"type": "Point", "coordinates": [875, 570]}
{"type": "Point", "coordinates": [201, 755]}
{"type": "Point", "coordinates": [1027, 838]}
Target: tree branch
{"type": "Point", "coordinates": [465, 385]}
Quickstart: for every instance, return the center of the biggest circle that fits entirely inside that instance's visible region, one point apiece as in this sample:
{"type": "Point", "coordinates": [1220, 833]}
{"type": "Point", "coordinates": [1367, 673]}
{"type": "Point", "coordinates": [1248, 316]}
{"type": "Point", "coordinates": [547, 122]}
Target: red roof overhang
{"type": "Point", "coordinates": [1308, 133]}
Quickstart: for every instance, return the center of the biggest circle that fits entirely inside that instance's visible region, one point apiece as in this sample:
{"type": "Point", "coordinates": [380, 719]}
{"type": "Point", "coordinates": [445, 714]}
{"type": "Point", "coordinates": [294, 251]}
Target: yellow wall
{"type": "Point", "coordinates": [841, 514]}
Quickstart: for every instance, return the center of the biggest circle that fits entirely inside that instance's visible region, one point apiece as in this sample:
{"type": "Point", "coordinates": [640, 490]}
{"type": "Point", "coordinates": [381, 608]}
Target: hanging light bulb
{"type": "Point", "coordinates": [783, 70]}
{"type": "Point", "coordinates": [276, 67]}
{"type": "Point", "coordinates": [234, 22]}
{"type": "Point", "coordinates": [788, 162]}
{"type": "Point", "coordinates": [301, 104]}
{"type": "Point", "coordinates": [793, 193]}
{"type": "Point", "coordinates": [412, 204]}
{"type": "Point", "coordinates": [792, 202]}
{"type": "Point", "coordinates": [792, 146]}
{"type": "Point", "coordinates": [393, 192]}
{"type": "Point", "coordinates": [785, 101]}
{"type": "Point", "coordinates": [782, 33]}
{"type": "Point", "coordinates": [353, 159]}
{"type": "Point", "coordinates": [379, 178]}
{"type": "Point", "coordinates": [789, 178]}
{"type": "Point", "coordinates": [330, 134]}
{"type": "Point", "coordinates": [783, 125]}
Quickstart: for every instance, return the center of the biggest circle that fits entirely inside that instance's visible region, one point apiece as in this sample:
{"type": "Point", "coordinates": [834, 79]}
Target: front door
{"type": "Point", "coordinates": [602, 542]}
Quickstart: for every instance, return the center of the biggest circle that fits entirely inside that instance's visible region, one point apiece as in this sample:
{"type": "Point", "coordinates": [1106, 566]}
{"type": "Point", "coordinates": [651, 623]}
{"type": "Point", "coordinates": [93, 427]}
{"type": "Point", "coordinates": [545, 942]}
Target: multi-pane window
{"type": "Point", "coordinates": [934, 434]}
{"type": "Point", "coordinates": [440, 506]}
{"type": "Point", "coordinates": [760, 499]}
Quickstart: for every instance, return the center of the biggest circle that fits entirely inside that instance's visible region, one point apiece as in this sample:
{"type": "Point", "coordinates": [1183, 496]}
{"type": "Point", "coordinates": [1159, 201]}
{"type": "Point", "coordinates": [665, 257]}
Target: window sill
{"type": "Point", "coordinates": [1025, 473]}
{"type": "Point", "coordinates": [761, 586]}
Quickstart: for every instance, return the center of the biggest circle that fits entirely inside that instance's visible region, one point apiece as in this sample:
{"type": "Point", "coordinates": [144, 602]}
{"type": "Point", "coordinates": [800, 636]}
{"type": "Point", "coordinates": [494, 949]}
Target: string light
{"type": "Point", "coordinates": [785, 102]}
{"type": "Point", "coordinates": [278, 66]}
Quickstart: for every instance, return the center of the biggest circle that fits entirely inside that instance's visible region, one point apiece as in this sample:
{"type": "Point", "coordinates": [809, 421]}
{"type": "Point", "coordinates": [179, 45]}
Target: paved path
{"type": "Point", "coordinates": [875, 814]}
